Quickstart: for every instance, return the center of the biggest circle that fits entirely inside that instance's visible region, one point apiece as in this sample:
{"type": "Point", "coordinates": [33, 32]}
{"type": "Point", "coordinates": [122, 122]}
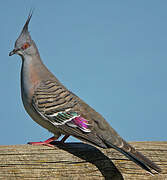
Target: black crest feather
{"type": "Point", "coordinates": [25, 28]}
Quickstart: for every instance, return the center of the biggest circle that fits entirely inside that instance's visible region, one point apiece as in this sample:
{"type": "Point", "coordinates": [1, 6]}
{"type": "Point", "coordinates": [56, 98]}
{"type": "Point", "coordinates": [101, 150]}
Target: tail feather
{"type": "Point", "coordinates": [135, 156]}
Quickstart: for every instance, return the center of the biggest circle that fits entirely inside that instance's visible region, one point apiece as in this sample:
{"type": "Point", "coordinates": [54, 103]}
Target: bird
{"type": "Point", "coordinates": [50, 104]}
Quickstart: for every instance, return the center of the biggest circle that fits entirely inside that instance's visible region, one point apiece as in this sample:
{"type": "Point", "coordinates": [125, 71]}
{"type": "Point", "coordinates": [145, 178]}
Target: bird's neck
{"type": "Point", "coordinates": [33, 71]}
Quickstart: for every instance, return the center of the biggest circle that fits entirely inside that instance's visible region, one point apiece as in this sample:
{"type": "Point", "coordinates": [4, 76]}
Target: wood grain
{"type": "Point", "coordinates": [78, 161]}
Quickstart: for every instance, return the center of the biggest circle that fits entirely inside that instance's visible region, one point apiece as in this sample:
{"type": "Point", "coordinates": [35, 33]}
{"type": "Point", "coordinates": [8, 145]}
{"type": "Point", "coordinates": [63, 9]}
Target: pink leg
{"type": "Point", "coordinates": [46, 143]}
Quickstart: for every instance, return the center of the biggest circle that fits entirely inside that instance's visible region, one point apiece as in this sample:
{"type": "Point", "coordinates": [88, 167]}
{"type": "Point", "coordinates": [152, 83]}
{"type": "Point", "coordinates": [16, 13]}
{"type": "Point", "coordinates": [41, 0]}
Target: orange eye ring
{"type": "Point", "coordinates": [25, 46]}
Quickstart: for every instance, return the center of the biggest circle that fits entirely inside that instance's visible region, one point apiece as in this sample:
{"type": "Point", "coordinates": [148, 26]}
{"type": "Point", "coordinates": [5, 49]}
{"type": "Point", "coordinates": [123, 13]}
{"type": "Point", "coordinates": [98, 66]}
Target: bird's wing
{"type": "Point", "coordinates": [61, 107]}
{"type": "Point", "coordinates": [56, 104]}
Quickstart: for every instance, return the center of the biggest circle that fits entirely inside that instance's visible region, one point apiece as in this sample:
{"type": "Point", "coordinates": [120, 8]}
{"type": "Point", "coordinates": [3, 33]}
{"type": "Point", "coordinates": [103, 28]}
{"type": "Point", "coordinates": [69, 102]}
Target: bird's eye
{"type": "Point", "coordinates": [25, 46]}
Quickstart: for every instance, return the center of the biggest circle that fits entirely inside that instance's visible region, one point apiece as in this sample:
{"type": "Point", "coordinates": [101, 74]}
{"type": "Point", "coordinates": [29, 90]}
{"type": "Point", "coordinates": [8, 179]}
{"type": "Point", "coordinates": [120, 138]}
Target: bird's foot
{"type": "Point", "coordinates": [45, 143]}
{"type": "Point", "coordinates": [50, 142]}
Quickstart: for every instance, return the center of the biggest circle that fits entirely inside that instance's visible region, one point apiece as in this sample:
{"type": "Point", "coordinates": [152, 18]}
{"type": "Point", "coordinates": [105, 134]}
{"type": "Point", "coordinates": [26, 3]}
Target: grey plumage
{"type": "Point", "coordinates": [54, 107]}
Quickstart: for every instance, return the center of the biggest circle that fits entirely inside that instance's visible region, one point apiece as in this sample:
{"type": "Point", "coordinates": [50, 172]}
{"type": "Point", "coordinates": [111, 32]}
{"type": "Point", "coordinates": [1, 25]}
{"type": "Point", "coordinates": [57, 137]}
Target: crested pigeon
{"type": "Point", "coordinates": [54, 107]}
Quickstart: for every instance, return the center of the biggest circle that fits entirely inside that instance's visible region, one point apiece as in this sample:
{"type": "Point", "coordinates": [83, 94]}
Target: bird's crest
{"type": "Point", "coordinates": [25, 28]}
{"type": "Point", "coordinates": [24, 35]}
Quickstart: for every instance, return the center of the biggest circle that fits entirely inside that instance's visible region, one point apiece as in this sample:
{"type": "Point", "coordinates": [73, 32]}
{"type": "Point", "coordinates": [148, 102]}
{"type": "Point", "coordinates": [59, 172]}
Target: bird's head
{"type": "Point", "coordinates": [24, 45]}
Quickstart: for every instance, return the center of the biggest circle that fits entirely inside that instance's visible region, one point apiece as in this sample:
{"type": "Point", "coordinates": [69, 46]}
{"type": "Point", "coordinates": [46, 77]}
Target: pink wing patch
{"type": "Point", "coordinates": [79, 122]}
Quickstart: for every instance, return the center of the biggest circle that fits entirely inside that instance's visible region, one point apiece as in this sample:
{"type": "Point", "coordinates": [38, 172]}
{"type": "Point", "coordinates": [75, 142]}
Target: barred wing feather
{"type": "Point", "coordinates": [56, 103]}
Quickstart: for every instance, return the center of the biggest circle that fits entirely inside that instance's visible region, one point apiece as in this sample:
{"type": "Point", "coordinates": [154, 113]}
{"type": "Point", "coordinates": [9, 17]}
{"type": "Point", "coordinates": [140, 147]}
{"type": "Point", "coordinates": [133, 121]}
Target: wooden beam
{"type": "Point", "coordinates": [78, 161]}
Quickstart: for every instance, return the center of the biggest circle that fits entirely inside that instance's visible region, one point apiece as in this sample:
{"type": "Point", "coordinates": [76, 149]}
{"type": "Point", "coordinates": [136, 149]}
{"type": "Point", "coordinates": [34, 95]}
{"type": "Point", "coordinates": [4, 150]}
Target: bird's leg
{"type": "Point", "coordinates": [64, 138]}
{"type": "Point", "coordinates": [46, 143]}
{"type": "Point", "coordinates": [61, 141]}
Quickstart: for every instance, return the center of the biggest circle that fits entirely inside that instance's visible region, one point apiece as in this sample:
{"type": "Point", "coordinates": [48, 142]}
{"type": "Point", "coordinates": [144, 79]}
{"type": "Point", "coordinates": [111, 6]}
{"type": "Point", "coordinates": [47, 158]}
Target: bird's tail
{"type": "Point", "coordinates": [135, 156]}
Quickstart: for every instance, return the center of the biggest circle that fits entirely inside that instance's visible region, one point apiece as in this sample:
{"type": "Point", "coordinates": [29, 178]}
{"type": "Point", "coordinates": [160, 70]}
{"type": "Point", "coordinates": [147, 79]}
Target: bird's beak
{"type": "Point", "coordinates": [13, 52]}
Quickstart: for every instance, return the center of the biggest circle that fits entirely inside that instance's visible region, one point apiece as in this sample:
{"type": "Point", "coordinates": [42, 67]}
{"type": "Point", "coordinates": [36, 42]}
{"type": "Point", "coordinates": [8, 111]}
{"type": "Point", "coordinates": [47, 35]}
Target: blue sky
{"type": "Point", "coordinates": [112, 54]}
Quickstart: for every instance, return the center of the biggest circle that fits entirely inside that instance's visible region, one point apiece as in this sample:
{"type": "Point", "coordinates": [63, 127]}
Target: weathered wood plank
{"type": "Point", "coordinates": [77, 161]}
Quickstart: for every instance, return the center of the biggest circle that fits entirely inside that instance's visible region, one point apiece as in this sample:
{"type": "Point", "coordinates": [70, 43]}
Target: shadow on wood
{"type": "Point", "coordinates": [93, 155]}
{"type": "Point", "coordinates": [78, 161]}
